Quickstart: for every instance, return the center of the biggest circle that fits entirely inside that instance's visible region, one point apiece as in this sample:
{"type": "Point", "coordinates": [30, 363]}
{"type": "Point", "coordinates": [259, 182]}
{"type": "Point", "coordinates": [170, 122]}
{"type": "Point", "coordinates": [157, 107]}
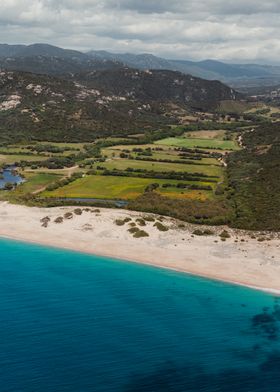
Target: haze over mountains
{"type": "Point", "coordinates": [43, 58]}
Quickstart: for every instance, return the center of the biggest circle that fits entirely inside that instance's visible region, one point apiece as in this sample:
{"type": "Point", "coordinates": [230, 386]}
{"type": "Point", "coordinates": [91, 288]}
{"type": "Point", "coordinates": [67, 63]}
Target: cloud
{"type": "Point", "coordinates": [242, 30]}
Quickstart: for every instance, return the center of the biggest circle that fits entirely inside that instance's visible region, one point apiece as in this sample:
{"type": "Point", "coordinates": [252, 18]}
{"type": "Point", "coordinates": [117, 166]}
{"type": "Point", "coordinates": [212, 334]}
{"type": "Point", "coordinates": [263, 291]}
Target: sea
{"type": "Point", "coordinates": [82, 323]}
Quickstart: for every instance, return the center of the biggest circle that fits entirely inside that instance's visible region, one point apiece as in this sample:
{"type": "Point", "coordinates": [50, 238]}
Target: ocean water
{"type": "Point", "coordinates": [73, 322]}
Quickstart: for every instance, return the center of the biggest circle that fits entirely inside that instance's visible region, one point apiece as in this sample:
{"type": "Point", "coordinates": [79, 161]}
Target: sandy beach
{"type": "Point", "coordinates": [240, 259]}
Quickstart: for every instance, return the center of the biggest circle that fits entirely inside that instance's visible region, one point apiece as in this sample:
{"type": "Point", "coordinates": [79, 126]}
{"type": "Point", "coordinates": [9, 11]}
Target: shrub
{"type": "Point", "coordinates": [160, 226]}
{"type": "Point", "coordinates": [204, 232]}
{"type": "Point", "coordinates": [224, 234]}
{"type": "Point", "coordinates": [68, 215]}
{"type": "Point", "coordinates": [219, 190]}
{"type": "Point", "coordinates": [58, 220]}
{"type": "Point", "coordinates": [208, 232]}
{"type": "Point", "coordinates": [133, 230]}
{"type": "Point", "coordinates": [121, 222]}
{"type": "Point", "coordinates": [140, 233]}
{"type": "Point", "coordinates": [141, 222]}
{"type": "Point", "coordinates": [198, 232]}
{"type": "Point", "coordinates": [45, 219]}
{"type": "Point", "coordinates": [149, 218]}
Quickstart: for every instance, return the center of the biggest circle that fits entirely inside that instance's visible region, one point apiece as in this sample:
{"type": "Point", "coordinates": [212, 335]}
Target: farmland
{"type": "Point", "coordinates": [199, 143]}
{"type": "Point", "coordinates": [122, 171]}
{"type": "Point", "coordinates": [123, 164]}
{"type": "Point", "coordinates": [186, 168]}
{"type": "Point", "coordinates": [113, 187]}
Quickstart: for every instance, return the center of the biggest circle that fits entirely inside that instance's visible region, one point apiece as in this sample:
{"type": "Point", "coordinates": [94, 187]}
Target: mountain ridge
{"type": "Point", "coordinates": [99, 103]}
{"type": "Point", "coordinates": [41, 58]}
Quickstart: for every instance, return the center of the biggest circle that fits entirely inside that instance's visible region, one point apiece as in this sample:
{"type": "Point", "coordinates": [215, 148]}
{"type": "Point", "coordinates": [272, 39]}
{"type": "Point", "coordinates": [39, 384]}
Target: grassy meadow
{"type": "Point", "coordinates": [199, 143]}
{"type": "Point", "coordinates": [126, 188]}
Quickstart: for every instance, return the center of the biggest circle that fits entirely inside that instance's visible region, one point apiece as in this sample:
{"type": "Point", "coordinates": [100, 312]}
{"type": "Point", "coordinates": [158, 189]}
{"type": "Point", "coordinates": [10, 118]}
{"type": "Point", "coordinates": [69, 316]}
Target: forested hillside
{"type": "Point", "coordinates": [84, 106]}
{"type": "Point", "coordinates": [254, 175]}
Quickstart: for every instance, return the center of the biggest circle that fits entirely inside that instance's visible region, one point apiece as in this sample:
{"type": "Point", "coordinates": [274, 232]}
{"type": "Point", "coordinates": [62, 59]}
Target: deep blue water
{"type": "Point", "coordinates": [73, 322]}
{"type": "Point", "coordinates": [9, 176]}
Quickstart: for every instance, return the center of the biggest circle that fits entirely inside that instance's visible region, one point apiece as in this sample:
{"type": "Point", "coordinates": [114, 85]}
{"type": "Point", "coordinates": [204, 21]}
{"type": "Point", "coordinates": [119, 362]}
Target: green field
{"type": "Point", "coordinates": [121, 187]}
{"type": "Point", "coordinates": [10, 159]}
{"type": "Point", "coordinates": [122, 164]}
{"type": "Point", "coordinates": [35, 182]}
{"type": "Point", "coordinates": [111, 187]}
{"type": "Point", "coordinates": [198, 143]}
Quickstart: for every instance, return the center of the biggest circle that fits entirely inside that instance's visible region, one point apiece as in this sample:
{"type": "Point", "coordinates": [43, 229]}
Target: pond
{"type": "Point", "coordinates": [117, 203]}
{"type": "Point", "coordinates": [9, 175]}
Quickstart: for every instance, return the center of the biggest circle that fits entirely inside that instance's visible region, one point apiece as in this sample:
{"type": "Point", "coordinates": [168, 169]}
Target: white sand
{"type": "Point", "coordinates": [251, 263]}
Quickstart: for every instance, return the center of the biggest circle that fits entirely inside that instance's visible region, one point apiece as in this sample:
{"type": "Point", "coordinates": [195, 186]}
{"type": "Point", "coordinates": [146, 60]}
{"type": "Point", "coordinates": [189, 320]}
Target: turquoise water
{"type": "Point", "coordinates": [73, 322]}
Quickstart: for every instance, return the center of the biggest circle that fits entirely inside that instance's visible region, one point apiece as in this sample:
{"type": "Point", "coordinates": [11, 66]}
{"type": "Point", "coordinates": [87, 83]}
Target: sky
{"type": "Point", "coordinates": [233, 30]}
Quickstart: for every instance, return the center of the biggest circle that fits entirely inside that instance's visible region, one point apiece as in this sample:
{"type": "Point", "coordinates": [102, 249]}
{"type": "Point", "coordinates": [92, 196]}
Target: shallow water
{"type": "Point", "coordinates": [117, 203]}
{"type": "Point", "coordinates": [9, 177]}
{"type": "Point", "coordinates": [73, 322]}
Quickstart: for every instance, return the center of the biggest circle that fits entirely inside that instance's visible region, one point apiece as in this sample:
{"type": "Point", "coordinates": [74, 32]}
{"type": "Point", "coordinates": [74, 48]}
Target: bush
{"type": "Point", "coordinates": [149, 218]}
{"type": "Point", "coordinates": [198, 232]}
{"type": "Point", "coordinates": [121, 222]}
{"type": "Point", "coordinates": [141, 222]}
{"type": "Point", "coordinates": [204, 232]}
{"type": "Point", "coordinates": [68, 215]}
{"type": "Point", "coordinates": [140, 234]}
{"type": "Point", "coordinates": [58, 220]}
{"type": "Point", "coordinates": [208, 232]}
{"type": "Point", "coordinates": [45, 221]}
{"type": "Point", "coordinates": [160, 226]}
{"type": "Point", "coordinates": [133, 230]}
{"type": "Point", "coordinates": [224, 234]}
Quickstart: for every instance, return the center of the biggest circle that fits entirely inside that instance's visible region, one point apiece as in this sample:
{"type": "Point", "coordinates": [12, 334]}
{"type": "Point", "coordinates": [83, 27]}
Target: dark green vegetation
{"type": "Point", "coordinates": [114, 102]}
{"type": "Point", "coordinates": [214, 212]}
{"type": "Point", "coordinates": [254, 176]}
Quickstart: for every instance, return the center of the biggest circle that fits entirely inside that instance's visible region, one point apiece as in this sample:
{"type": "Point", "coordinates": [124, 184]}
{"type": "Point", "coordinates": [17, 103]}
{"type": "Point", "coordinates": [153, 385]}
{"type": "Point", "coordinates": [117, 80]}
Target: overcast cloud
{"type": "Point", "coordinates": [238, 30]}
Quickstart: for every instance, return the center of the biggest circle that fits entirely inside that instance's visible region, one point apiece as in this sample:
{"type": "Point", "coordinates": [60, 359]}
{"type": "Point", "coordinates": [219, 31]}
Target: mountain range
{"type": "Point", "coordinates": [43, 58]}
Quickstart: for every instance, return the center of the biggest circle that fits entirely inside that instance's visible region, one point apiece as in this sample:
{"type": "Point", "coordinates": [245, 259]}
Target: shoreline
{"type": "Point", "coordinates": [147, 263]}
{"type": "Point", "coordinates": [197, 256]}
